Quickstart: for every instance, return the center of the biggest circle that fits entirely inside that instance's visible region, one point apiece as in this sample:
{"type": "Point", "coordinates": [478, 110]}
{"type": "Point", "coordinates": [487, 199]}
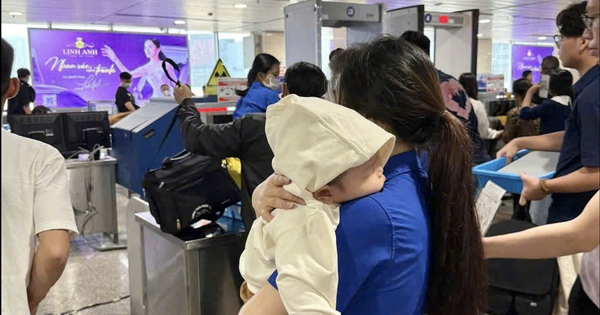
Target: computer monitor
{"type": "Point", "coordinates": [48, 128]}
{"type": "Point", "coordinates": [86, 129]}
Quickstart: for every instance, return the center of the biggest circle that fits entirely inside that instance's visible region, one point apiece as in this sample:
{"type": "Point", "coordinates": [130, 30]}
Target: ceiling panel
{"type": "Point", "coordinates": [518, 20]}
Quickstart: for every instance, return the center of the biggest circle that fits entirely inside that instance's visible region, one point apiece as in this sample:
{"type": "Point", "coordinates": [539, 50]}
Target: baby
{"type": "Point", "coordinates": [332, 155]}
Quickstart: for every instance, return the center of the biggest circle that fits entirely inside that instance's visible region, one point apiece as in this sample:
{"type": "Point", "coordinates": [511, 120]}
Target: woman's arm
{"type": "Point", "coordinates": [527, 101]}
{"type": "Point", "coordinates": [581, 234]}
{"type": "Point", "coordinates": [265, 302]}
{"type": "Point", "coordinates": [270, 195]}
{"type": "Point", "coordinates": [483, 124]}
{"type": "Point", "coordinates": [110, 54]}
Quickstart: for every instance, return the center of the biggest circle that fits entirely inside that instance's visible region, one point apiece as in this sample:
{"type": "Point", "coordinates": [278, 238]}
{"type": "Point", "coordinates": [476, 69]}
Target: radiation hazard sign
{"type": "Point", "coordinates": [218, 72]}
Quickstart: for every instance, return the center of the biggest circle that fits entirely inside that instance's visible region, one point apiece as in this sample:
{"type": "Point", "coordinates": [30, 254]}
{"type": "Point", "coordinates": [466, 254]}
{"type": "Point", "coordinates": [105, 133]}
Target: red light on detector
{"type": "Point", "coordinates": [443, 19]}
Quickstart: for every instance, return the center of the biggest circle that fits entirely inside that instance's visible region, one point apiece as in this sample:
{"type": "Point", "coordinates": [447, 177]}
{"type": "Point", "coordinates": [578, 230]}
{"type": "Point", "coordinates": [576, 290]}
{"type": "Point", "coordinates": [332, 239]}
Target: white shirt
{"type": "Point", "coordinates": [483, 124]}
{"type": "Point", "coordinates": [590, 275]}
{"type": "Point", "coordinates": [35, 198]}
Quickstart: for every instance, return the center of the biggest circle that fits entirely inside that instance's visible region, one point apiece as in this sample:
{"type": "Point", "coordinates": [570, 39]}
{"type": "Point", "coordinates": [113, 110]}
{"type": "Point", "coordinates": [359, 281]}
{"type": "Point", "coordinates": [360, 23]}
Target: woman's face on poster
{"type": "Point", "coordinates": [150, 49]}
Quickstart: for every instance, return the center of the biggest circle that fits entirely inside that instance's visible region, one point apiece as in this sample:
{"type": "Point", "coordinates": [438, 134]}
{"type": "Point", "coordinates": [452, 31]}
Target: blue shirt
{"type": "Point", "coordinates": [457, 102]}
{"type": "Point", "coordinates": [256, 100]}
{"type": "Point", "coordinates": [581, 145]}
{"type": "Point", "coordinates": [383, 245]}
{"type": "Point", "coordinates": [552, 115]}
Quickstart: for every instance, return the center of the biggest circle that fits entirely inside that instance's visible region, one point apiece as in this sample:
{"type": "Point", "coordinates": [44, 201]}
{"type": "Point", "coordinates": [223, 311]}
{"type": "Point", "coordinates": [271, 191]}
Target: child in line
{"type": "Point", "coordinates": [332, 155]}
{"type": "Point", "coordinates": [554, 111]}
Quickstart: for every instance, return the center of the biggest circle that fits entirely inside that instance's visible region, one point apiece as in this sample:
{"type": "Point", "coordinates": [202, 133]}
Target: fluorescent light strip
{"type": "Point", "coordinates": [37, 25]}
{"type": "Point", "coordinates": [137, 29]}
{"type": "Point", "coordinates": [91, 27]}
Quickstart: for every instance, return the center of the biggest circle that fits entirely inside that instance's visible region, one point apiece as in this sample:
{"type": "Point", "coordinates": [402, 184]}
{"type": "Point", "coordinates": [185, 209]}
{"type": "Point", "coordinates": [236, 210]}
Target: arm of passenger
{"type": "Point", "coordinates": [130, 106]}
{"type": "Point", "coordinates": [531, 113]}
{"type": "Point", "coordinates": [483, 124]}
{"type": "Point", "coordinates": [306, 259]}
{"type": "Point", "coordinates": [48, 264]}
{"type": "Point", "coordinates": [581, 234]}
{"type": "Point", "coordinates": [53, 221]}
{"type": "Point", "coordinates": [266, 301]}
{"type": "Point", "coordinates": [217, 140]}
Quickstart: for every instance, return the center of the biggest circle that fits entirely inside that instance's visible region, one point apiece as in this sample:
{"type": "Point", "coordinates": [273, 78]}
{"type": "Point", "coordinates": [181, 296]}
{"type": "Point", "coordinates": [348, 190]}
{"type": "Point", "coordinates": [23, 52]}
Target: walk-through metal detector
{"type": "Point", "coordinates": [455, 40]}
{"type": "Point", "coordinates": [304, 20]}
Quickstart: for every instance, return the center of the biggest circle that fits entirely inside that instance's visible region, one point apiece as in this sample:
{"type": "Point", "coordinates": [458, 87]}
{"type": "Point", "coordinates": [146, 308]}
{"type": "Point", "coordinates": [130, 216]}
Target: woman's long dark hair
{"type": "Point", "coordinates": [394, 82]}
{"type": "Point", "coordinates": [156, 43]}
{"type": "Point", "coordinates": [262, 63]}
{"type": "Point", "coordinates": [469, 82]}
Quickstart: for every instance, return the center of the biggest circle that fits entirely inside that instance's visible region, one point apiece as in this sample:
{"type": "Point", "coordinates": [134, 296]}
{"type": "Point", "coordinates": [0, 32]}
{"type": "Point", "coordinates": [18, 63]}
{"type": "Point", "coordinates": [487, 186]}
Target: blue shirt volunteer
{"type": "Point", "coordinates": [256, 100]}
{"type": "Point", "coordinates": [383, 245]}
{"type": "Point", "coordinates": [581, 145]}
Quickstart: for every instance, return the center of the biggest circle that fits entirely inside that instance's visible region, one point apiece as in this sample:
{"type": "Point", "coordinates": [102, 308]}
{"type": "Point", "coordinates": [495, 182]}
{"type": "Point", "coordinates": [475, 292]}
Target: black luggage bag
{"type": "Point", "coordinates": [520, 286]}
{"type": "Point", "coordinates": [188, 188]}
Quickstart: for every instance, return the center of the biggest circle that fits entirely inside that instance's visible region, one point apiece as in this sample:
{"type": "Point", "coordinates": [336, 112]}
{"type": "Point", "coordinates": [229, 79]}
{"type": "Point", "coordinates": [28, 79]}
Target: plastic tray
{"type": "Point", "coordinates": [510, 182]}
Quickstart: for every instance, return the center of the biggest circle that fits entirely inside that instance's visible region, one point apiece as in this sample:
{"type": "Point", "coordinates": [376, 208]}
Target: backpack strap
{"type": "Point", "coordinates": [176, 67]}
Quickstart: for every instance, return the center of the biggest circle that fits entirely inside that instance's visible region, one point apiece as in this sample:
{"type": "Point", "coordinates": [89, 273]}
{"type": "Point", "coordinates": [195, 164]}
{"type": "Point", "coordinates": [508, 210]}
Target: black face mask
{"type": "Point", "coordinates": [175, 66]}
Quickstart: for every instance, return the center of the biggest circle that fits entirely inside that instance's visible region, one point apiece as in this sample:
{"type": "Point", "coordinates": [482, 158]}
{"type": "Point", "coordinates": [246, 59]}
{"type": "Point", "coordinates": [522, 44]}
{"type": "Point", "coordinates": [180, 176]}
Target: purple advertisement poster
{"type": "Point", "coordinates": [528, 58]}
{"type": "Point", "coordinates": [71, 68]}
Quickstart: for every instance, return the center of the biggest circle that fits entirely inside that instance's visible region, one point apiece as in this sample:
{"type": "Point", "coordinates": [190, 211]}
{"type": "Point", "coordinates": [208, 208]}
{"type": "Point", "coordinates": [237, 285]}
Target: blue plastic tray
{"type": "Point", "coordinates": [510, 182]}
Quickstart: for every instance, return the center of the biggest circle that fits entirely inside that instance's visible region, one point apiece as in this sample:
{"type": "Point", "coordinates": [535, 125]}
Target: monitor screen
{"type": "Point", "coordinates": [86, 129]}
{"type": "Point", "coordinates": [48, 128]}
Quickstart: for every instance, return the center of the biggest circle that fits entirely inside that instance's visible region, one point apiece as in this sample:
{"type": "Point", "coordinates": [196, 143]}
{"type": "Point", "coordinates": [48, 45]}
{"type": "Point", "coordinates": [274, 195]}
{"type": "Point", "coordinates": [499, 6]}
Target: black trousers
{"type": "Point", "coordinates": [580, 303]}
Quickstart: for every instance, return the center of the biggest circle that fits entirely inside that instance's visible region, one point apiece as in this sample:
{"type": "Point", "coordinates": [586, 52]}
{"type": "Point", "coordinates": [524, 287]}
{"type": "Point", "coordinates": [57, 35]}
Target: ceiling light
{"type": "Point", "coordinates": [240, 6]}
{"type": "Point", "coordinates": [542, 38]}
{"type": "Point", "coordinates": [269, 34]}
{"type": "Point", "coordinates": [14, 13]}
{"type": "Point", "coordinates": [480, 35]}
{"type": "Point", "coordinates": [179, 22]}
{"type": "Point", "coordinates": [485, 21]}
{"type": "Point", "coordinates": [90, 27]}
{"type": "Point", "coordinates": [137, 29]}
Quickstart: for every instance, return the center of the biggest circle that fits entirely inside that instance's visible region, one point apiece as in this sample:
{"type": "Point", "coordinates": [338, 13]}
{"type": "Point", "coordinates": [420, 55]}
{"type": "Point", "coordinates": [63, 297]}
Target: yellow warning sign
{"type": "Point", "coordinates": [218, 72]}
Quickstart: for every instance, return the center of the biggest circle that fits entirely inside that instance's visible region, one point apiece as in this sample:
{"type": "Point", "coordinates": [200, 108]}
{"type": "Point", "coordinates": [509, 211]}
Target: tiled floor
{"type": "Point", "coordinates": [92, 277]}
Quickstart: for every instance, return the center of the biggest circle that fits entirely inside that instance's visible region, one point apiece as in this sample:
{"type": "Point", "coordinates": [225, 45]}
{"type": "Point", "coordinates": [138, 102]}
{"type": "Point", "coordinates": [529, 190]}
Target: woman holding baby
{"type": "Point", "coordinates": [415, 246]}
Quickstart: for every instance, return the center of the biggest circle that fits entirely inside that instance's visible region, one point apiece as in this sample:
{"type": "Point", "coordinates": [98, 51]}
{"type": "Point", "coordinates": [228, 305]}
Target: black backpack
{"type": "Point", "coordinates": [520, 286]}
{"type": "Point", "coordinates": [188, 188]}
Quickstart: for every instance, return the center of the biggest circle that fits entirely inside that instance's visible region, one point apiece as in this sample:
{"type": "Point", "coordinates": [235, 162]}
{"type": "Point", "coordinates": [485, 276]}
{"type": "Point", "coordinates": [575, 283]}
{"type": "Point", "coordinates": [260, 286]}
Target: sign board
{"type": "Point", "coordinates": [72, 67]}
{"type": "Point", "coordinates": [491, 83]}
{"type": "Point", "coordinates": [218, 72]}
{"type": "Point", "coordinates": [227, 87]}
{"type": "Point", "coordinates": [444, 19]}
{"type": "Point", "coordinates": [529, 58]}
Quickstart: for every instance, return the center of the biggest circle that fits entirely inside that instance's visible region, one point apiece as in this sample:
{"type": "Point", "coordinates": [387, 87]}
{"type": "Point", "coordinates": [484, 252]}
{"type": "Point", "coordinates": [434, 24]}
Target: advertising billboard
{"type": "Point", "coordinates": [528, 58]}
{"type": "Point", "coordinates": [70, 68]}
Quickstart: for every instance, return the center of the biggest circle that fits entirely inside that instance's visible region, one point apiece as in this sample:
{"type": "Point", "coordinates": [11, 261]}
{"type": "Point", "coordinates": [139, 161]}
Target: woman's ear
{"type": "Point", "coordinates": [260, 77]}
{"type": "Point", "coordinates": [324, 195]}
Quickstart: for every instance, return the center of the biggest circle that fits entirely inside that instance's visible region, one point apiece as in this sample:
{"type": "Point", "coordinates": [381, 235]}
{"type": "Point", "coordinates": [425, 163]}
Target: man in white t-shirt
{"type": "Point", "coordinates": [37, 216]}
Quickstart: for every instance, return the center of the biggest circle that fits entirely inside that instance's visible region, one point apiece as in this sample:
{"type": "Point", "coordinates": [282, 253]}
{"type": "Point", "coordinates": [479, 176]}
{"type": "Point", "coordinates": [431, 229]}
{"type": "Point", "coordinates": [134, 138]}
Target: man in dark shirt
{"type": "Point", "coordinates": [19, 105]}
{"type": "Point", "coordinates": [125, 100]}
{"type": "Point", "coordinates": [456, 99]}
{"type": "Point", "coordinates": [245, 137]}
{"type": "Point", "coordinates": [577, 175]}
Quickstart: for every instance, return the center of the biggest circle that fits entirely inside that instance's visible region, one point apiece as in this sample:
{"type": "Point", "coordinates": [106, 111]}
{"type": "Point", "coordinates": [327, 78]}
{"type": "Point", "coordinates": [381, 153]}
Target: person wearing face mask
{"type": "Point", "coordinates": [165, 90]}
{"type": "Point", "coordinates": [125, 100]}
{"type": "Point", "coordinates": [263, 81]}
